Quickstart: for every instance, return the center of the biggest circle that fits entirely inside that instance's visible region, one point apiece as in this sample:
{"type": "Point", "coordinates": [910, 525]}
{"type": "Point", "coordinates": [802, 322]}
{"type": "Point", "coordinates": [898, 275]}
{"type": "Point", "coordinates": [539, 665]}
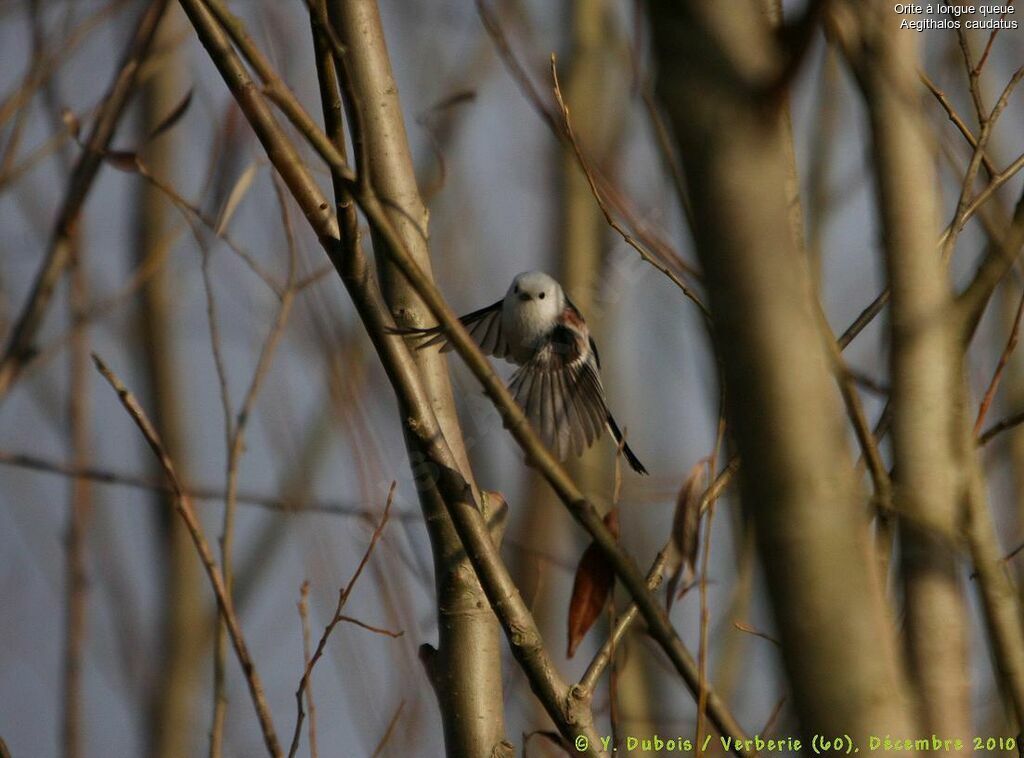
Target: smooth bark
{"type": "Point", "coordinates": [714, 60]}
{"type": "Point", "coordinates": [926, 400]}
{"type": "Point", "coordinates": [184, 613]}
{"type": "Point", "coordinates": [466, 667]}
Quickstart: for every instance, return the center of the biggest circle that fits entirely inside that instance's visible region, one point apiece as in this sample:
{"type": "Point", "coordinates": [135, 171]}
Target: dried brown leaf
{"type": "Point", "coordinates": [686, 523]}
{"type": "Point", "coordinates": [242, 186]}
{"type": "Point", "coordinates": [591, 587]}
{"type": "Point", "coordinates": [172, 118]}
{"type": "Point", "coordinates": [686, 527]}
{"type": "Point", "coordinates": [123, 160]}
{"type": "Point", "coordinates": [741, 626]}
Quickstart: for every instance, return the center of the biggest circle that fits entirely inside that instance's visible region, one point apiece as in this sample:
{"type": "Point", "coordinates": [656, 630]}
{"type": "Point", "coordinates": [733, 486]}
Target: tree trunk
{"type": "Point", "coordinates": [797, 475]}
{"type": "Point", "coordinates": [183, 627]}
{"type": "Point", "coordinates": [925, 364]}
{"type": "Point", "coordinates": [466, 667]}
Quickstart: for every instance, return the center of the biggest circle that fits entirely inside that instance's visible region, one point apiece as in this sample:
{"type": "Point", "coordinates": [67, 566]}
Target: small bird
{"type": "Point", "coordinates": [558, 382]}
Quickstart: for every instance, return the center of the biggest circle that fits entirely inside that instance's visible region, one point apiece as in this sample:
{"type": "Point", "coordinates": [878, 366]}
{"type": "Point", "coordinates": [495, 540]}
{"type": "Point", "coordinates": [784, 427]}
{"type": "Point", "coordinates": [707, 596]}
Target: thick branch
{"type": "Point", "coordinates": [468, 657]}
{"type": "Point", "coordinates": [838, 642]}
{"type": "Point", "coordinates": [436, 467]}
{"type": "Point", "coordinates": [925, 370]}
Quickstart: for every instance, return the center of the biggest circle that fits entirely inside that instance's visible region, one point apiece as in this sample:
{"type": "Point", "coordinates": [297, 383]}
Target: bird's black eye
{"type": "Point", "coordinates": [516, 289]}
{"type": "Point", "coordinates": [541, 295]}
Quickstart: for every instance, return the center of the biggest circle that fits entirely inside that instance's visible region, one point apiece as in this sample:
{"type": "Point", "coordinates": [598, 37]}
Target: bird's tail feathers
{"type": "Point", "coordinates": [631, 459]}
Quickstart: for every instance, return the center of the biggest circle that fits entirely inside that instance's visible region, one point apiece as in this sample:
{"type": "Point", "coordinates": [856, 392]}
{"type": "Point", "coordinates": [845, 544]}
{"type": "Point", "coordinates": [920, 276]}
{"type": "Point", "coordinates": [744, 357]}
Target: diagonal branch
{"type": "Point", "coordinates": [19, 346]}
{"type": "Point", "coordinates": [588, 172]}
{"type": "Point", "coordinates": [337, 618]}
{"type": "Point", "coordinates": [964, 203]}
{"type": "Point", "coordinates": [1000, 255]}
{"type": "Point", "coordinates": [540, 458]}
{"type": "Point", "coordinates": [183, 504]}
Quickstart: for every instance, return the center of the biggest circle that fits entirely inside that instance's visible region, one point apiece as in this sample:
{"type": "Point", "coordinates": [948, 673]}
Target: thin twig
{"type": "Point", "coordinates": [235, 429]}
{"type": "Point", "coordinates": [220, 703]}
{"type": "Point", "coordinates": [79, 516]}
{"type": "Point", "coordinates": [19, 345]}
{"type": "Point", "coordinates": [119, 478]}
{"type": "Point", "coordinates": [388, 731]}
{"type": "Point", "coordinates": [370, 627]}
{"type": "Point", "coordinates": [1001, 426]}
{"type": "Point", "coordinates": [957, 120]}
{"type": "Point", "coordinates": [998, 180]}
{"type": "Point", "coordinates": [880, 479]}
{"type": "Point", "coordinates": [988, 45]}
{"type": "Point", "coordinates": [973, 77]}
{"type": "Point", "coordinates": [343, 595]}
{"type": "Point", "coordinates": [1004, 358]}
{"type": "Point", "coordinates": [705, 613]}
{"type": "Point", "coordinates": [611, 195]}
{"type": "Point", "coordinates": [306, 652]}
{"type": "Point", "coordinates": [624, 233]}
{"type": "Point", "coordinates": [987, 125]}
{"type": "Point", "coordinates": [213, 225]}
{"type": "Point", "coordinates": [1008, 557]}
{"type": "Point", "coordinates": [183, 505]}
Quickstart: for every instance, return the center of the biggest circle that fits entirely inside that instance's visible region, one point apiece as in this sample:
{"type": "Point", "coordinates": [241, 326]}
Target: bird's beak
{"type": "Point", "coordinates": [524, 296]}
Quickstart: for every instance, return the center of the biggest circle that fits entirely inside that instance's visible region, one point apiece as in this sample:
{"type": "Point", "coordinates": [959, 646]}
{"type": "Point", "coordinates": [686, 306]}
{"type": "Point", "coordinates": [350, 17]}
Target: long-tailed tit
{"type": "Point", "coordinates": [558, 382]}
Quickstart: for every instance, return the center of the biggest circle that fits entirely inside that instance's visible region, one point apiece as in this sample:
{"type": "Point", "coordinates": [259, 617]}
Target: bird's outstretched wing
{"type": "Point", "coordinates": [560, 390]}
{"type": "Point", "coordinates": [484, 327]}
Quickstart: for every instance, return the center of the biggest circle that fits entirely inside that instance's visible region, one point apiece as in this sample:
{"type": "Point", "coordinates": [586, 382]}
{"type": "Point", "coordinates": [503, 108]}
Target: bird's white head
{"type": "Point", "coordinates": [538, 293]}
{"type": "Point", "coordinates": [532, 306]}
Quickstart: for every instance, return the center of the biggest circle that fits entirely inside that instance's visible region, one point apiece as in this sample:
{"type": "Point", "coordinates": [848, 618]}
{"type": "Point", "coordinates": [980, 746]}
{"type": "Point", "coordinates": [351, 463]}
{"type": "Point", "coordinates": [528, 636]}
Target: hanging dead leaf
{"type": "Point", "coordinates": [171, 118]}
{"type": "Point", "coordinates": [242, 186]}
{"type": "Point", "coordinates": [686, 528]}
{"type": "Point", "coordinates": [756, 632]}
{"type": "Point", "coordinates": [123, 160]}
{"type": "Point", "coordinates": [591, 587]}
{"type": "Point", "coordinates": [686, 522]}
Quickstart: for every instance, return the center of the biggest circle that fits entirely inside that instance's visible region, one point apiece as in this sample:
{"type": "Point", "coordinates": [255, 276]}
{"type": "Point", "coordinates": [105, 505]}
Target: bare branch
{"type": "Point", "coordinates": [388, 731]}
{"type": "Point", "coordinates": [964, 203]}
{"type": "Point", "coordinates": [466, 516]}
{"type": "Point", "coordinates": [1004, 358]}
{"type": "Point", "coordinates": [588, 172]}
{"type": "Point", "coordinates": [19, 344]}
{"type": "Point", "coordinates": [611, 196]}
{"type": "Point", "coordinates": [235, 430]}
{"type": "Point", "coordinates": [337, 618]}
{"type": "Point", "coordinates": [108, 476]}
{"type": "Point", "coordinates": [185, 509]}
{"type": "Point", "coordinates": [306, 654]}
{"type": "Point", "coordinates": [957, 120]}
